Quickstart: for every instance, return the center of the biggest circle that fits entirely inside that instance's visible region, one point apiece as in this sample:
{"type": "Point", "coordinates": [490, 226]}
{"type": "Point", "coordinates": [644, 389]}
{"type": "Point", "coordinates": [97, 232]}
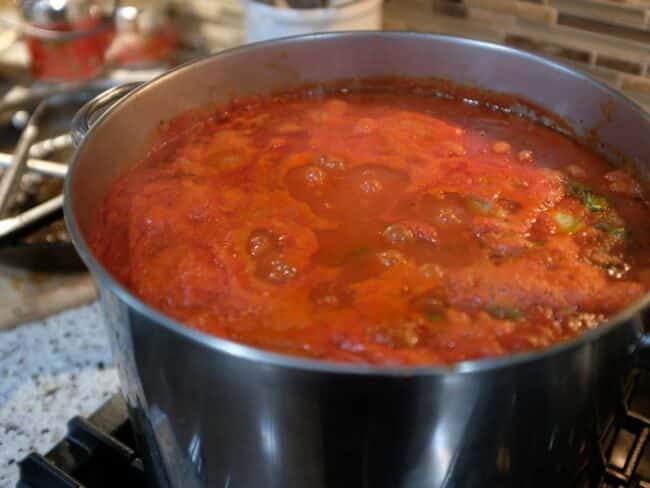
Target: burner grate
{"type": "Point", "coordinates": [625, 446]}
{"type": "Point", "coordinates": [96, 453]}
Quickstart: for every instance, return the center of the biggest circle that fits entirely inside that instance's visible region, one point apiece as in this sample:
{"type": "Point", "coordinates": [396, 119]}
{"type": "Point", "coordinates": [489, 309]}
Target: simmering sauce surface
{"type": "Point", "coordinates": [376, 227]}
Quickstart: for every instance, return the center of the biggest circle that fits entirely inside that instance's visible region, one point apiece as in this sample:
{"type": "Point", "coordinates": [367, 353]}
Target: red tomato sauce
{"type": "Point", "coordinates": [376, 227]}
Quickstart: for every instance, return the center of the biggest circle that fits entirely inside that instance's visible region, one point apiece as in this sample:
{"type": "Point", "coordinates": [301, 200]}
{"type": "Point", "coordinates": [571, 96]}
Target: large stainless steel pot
{"type": "Point", "coordinates": [216, 413]}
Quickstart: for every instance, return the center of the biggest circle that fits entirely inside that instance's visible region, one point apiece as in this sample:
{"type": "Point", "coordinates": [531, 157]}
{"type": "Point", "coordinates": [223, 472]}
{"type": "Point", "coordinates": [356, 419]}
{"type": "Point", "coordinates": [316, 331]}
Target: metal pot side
{"type": "Point", "coordinates": [215, 413]}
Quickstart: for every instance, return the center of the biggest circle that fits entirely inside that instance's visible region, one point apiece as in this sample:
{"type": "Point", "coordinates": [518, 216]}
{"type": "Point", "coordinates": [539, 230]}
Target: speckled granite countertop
{"type": "Point", "coordinates": [50, 371]}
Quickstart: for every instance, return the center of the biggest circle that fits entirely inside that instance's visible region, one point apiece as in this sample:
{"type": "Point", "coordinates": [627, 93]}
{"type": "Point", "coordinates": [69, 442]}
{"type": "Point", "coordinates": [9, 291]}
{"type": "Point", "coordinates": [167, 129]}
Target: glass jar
{"type": "Point", "coordinates": [67, 39]}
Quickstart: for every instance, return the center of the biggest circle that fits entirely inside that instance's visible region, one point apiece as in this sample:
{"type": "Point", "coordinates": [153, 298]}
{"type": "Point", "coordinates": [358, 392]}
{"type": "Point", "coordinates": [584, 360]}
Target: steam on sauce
{"type": "Point", "coordinates": [386, 228]}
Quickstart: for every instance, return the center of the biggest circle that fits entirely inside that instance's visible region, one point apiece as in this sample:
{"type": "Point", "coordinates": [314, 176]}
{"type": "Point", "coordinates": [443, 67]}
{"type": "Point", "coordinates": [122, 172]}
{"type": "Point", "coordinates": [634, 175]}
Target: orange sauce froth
{"type": "Point", "coordinates": [377, 227]}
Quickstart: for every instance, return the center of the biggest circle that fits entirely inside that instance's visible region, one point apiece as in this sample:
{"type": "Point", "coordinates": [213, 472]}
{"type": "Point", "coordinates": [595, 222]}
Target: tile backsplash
{"type": "Point", "coordinates": [607, 39]}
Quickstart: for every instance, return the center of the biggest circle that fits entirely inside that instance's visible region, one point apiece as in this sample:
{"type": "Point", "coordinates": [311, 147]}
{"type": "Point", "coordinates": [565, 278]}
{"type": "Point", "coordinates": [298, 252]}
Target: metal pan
{"type": "Point", "coordinates": [216, 413]}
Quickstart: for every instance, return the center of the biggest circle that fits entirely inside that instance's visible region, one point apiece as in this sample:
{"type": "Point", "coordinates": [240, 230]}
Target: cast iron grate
{"type": "Point", "coordinates": [100, 451]}
{"type": "Point", "coordinates": [625, 446]}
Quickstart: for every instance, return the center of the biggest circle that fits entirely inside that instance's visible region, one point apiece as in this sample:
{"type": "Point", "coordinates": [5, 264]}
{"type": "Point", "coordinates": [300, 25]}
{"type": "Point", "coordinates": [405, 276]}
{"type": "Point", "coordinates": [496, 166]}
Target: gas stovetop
{"type": "Point", "coordinates": [100, 451]}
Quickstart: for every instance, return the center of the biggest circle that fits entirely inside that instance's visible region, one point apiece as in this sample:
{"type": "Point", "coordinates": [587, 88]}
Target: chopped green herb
{"type": "Point", "coordinates": [435, 317]}
{"type": "Point", "coordinates": [591, 200]}
{"type": "Point", "coordinates": [576, 188]}
{"type": "Point", "coordinates": [504, 312]}
{"type": "Point", "coordinates": [616, 231]}
{"type": "Point", "coordinates": [596, 203]}
{"type": "Point", "coordinates": [567, 222]}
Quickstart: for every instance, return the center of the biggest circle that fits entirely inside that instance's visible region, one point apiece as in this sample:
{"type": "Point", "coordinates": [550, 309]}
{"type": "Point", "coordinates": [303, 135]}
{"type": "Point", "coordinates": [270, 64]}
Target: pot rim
{"type": "Point", "coordinates": [245, 352]}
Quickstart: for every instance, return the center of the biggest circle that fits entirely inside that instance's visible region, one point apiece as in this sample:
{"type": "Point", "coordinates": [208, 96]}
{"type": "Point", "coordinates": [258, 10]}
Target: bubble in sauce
{"type": "Point", "coordinates": [431, 271]}
{"type": "Point", "coordinates": [331, 295]}
{"type": "Point", "coordinates": [391, 258]}
{"type": "Point", "coordinates": [405, 334]}
{"type": "Point", "coordinates": [398, 234]}
{"type": "Point", "coordinates": [314, 176]}
{"type": "Point", "coordinates": [364, 191]}
{"type": "Point", "coordinates": [260, 242]}
{"type": "Point", "coordinates": [276, 269]}
{"type": "Point", "coordinates": [371, 185]}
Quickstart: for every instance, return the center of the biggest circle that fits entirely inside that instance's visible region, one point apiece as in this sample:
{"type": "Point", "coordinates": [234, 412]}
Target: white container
{"type": "Point", "coordinates": [268, 22]}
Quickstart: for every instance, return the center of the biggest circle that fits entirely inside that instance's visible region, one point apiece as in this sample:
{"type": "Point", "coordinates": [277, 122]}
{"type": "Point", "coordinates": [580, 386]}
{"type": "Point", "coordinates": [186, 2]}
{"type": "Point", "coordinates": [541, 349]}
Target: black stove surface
{"type": "Point", "coordinates": [100, 451]}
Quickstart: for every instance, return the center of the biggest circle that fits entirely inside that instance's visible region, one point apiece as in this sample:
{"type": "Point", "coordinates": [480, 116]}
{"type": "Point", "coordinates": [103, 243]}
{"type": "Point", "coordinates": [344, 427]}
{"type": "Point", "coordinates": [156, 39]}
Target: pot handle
{"type": "Point", "coordinates": [88, 115]}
